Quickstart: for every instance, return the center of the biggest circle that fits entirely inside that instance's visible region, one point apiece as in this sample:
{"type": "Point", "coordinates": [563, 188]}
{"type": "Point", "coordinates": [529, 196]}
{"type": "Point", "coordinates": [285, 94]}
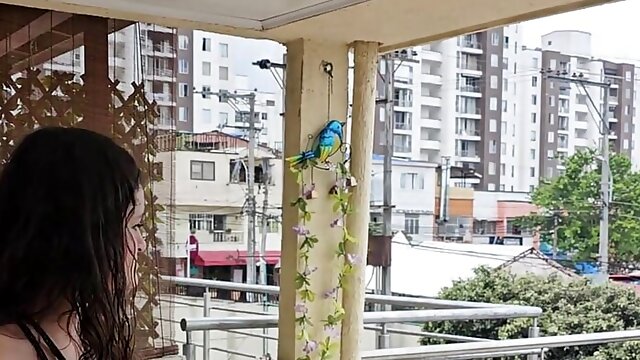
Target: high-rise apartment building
{"type": "Point", "coordinates": [481, 100]}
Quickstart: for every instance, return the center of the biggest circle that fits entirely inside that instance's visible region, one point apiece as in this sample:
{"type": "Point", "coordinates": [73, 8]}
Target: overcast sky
{"type": "Point", "coordinates": [615, 28]}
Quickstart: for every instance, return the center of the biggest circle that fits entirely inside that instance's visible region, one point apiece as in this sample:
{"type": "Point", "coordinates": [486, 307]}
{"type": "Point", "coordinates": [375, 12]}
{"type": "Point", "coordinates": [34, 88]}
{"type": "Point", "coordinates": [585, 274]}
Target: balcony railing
{"type": "Point", "coordinates": [466, 153]}
{"type": "Point", "coordinates": [470, 66]}
{"type": "Point", "coordinates": [402, 125]}
{"type": "Point", "coordinates": [467, 132]}
{"type": "Point", "coordinates": [220, 236]}
{"type": "Point", "coordinates": [469, 88]}
{"type": "Point", "coordinates": [160, 72]}
{"type": "Point", "coordinates": [428, 310]}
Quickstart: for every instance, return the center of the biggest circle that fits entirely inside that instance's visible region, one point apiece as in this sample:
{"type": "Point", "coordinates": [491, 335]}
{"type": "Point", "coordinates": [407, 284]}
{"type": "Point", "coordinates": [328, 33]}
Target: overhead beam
{"type": "Point", "coordinates": [43, 24]}
{"type": "Point", "coordinates": [49, 53]}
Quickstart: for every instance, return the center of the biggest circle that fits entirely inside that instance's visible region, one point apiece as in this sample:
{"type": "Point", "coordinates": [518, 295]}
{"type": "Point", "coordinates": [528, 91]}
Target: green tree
{"type": "Point", "coordinates": [574, 199]}
{"type": "Point", "coordinates": [569, 307]}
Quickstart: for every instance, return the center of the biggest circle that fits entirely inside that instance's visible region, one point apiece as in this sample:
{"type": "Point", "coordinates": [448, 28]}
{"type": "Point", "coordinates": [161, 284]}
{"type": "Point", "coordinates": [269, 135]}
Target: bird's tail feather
{"type": "Point", "coordinates": [301, 158]}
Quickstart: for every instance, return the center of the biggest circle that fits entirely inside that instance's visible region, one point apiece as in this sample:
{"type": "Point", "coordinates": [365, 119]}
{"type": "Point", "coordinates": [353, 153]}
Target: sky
{"type": "Point", "coordinates": [614, 29]}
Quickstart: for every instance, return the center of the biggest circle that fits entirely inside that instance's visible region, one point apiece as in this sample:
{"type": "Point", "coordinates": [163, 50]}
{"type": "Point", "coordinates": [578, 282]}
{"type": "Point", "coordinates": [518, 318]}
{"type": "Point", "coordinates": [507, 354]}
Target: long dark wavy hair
{"type": "Point", "coordinates": [65, 196]}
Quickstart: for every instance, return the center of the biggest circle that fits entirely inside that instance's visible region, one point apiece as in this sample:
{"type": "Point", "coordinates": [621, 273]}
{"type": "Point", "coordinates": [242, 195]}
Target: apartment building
{"type": "Point", "coordinates": [204, 194]}
{"type": "Point", "coordinates": [568, 120]}
{"type": "Point", "coordinates": [211, 63]}
{"type": "Point", "coordinates": [454, 99]}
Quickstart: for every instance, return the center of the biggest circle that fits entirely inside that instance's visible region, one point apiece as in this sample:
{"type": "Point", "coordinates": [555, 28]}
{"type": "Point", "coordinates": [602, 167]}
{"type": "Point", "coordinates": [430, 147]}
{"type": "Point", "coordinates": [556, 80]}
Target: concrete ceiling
{"type": "Point", "coordinates": [393, 23]}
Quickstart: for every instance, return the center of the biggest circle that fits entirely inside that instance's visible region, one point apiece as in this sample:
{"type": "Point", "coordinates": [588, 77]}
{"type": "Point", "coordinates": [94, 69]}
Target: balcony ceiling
{"type": "Point", "coordinates": [393, 23]}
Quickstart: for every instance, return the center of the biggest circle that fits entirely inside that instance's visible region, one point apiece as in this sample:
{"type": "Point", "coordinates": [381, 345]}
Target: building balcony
{"type": "Point", "coordinates": [470, 46]}
{"type": "Point", "coordinates": [431, 55]}
{"type": "Point", "coordinates": [467, 156]}
{"type": "Point", "coordinates": [161, 74]}
{"type": "Point", "coordinates": [473, 135]}
{"type": "Point", "coordinates": [222, 236]}
{"type": "Point", "coordinates": [432, 79]}
{"type": "Point", "coordinates": [402, 126]}
{"type": "Point", "coordinates": [613, 119]}
{"type": "Point", "coordinates": [403, 103]}
{"type": "Point", "coordinates": [163, 99]}
{"type": "Point", "coordinates": [470, 91]}
{"type": "Point", "coordinates": [431, 123]}
{"type": "Point", "coordinates": [156, 28]}
{"type": "Point", "coordinates": [470, 70]}
{"type": "Point", "coordinates": [160, 50]}
{"type": "Point", "coordinates": [430, 144]}
{"type": "Point", "coordinates": [581, 108]}
{"type": "Point", "coordinates": [469, 114]}
{"type": "Point", "coordinates": [431, 101]}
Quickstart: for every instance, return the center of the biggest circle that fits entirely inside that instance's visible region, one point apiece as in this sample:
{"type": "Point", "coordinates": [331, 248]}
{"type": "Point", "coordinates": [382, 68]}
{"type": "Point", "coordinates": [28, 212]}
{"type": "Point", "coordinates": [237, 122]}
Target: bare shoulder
{"type": "Point", "coordinates": [13, 345]}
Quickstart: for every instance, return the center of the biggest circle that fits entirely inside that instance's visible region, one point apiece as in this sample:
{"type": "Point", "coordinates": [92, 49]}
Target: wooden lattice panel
{"type": "Point", "coordinates": [31, 100]}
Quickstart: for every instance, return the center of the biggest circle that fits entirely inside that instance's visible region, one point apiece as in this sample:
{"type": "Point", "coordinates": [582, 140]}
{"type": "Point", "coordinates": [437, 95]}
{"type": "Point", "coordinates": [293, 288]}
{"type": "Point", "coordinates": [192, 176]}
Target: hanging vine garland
{"type": "Point", "coordinates": [321, 150]}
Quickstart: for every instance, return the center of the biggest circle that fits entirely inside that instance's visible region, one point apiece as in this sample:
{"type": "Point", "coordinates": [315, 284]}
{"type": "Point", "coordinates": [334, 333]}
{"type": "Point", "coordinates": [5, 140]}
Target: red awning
{"type": "Point", "coordinates": [231, 258]}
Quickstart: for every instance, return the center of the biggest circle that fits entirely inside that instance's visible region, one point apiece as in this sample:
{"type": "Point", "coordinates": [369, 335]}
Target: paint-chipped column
{"type": "Point", "coordinates": [364, 100]}
{"type": "Point", "coordinates": [310, 102]}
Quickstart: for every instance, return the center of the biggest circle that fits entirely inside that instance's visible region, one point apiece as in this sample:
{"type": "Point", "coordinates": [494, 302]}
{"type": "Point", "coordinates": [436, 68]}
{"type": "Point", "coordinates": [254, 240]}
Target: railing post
{"type": "Point", "coordinates": [384, 338]}
{"type": "Point", "coordinates": [534, 331]}
{"type": "Point", "coordinates": [189, 349]}
{"type": "Point", "coordinates": [205, 334]}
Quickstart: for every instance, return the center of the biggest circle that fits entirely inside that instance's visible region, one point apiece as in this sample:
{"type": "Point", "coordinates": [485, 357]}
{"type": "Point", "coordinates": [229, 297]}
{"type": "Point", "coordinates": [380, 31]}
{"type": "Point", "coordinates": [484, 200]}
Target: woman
{"type": "Point", "coordinates": [70, 216]}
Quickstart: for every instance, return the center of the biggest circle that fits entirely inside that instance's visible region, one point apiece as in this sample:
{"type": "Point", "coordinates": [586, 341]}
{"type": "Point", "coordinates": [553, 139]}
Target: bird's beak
{"type": "Point", "coordinates": [343, 123]}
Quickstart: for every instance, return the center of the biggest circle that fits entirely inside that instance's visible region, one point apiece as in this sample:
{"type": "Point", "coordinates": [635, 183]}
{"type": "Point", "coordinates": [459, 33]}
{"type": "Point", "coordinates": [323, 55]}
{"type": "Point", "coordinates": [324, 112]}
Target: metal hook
{"type": "Point", "coordinates": [327, 67]}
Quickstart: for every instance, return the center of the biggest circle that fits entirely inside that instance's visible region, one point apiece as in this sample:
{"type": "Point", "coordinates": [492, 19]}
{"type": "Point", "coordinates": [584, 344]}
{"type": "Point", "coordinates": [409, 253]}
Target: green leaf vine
{"type": "Point", "coordinates": [326, 346]}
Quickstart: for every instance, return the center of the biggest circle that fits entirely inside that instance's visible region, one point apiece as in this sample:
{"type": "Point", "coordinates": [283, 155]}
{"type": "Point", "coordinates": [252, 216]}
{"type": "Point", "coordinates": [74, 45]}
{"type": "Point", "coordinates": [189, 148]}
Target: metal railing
{"type": "Point", "coordinates": [429, 309]}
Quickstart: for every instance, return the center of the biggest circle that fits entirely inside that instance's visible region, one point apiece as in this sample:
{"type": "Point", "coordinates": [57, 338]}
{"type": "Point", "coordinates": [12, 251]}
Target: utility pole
{"type": "Point", "coordinates": [250, 98]}
{"type": "Point", "coordinates": [605, 174]}
{"type": "Point", "coordinates": [266, 177]}
{"type": "Point", "coordinates": [251, 198]}
{"type": "Point", "coordinates": [444, 194]}
{"type": "Point", "coordinates": [385, 273]}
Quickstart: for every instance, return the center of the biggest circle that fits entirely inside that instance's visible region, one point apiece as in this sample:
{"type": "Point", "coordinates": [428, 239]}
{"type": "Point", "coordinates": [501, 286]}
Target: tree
{"type": "Point", "coordinates": [569, 307]}
{"type": "Point", "coordinates": [574, 199]}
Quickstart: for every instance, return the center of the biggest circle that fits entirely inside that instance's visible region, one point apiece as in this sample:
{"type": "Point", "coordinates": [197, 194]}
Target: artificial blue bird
{"type": "Point", "coordinates": [327, 142]}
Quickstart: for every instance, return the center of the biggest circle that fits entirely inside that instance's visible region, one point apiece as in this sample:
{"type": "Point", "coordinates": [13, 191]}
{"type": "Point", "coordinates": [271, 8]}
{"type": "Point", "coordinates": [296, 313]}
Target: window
{"type": "Point", "coordinates": [183, 113]}
{"type": "Point", "coordinates": [206, 116]}
{"type": "Point", "coordinates": [549, 172]}
{"type": "Point", "coordinates": [495, 39]}
{"type": "Point", "coordinates": [492, 168]}
{"type": "Point", "coordinates": [503, 148]}
{"type": "Point", "coordinates": [532, 154]}
{"type": "Point", "coordinates": [505, 85]}
{"type": "Point", "coordinates": [626, 127]}
{"type": "Point", "coordinates": [534, 81]}
{"type": "Point", "coordinates": [534, 99]}
{"type": "Point", "coordinates": [223, 73]}
{"type": "Point", "coordinates": [206, 222]}
{"type": "Point", "coordinates": [412, 224]}
{"type": "Point", "coordinates": [493, 147]}
{"type": "Point", "coordinates": [206, 44]}
{"type": "Point", "coordinates": [494, 82]}
{"type": "Point", "coordinates": [183, 66]}
{"type": "Point", "coordinates": [502, 187]}
{"type": "Point", "coordinates": [505, 105]}
{"type": "Point", "coordinates": [552, 101]}
{"type": "Point", "coordinates": [493, 104]}
{"type": "Point", "coordinates": [411, 181]}
{"type": "Point", "coordinates": [402, 143]}
{"type": "Point", "coordinates": [183, 90]}
{"type": "Point", "coordinates": [513, 171]}
{"type": "Point", "coordinates": [206, 68]}
{"type": "Point", "coordinates": [271, 103]}
{"type": "Point", "coordinates": [494, 60]}
{"type": "Point", "coordinates": [513, 150]}
{"type": "Point", "coordinates": [552, 64]}
{"type": "Point", "coordinates": [534, 63]}
{"type": "Point", "coordinates": [627, 75]}
{"type": "Point", "coordinates": [534, 118]}
{"type": "Point", "coordinates": [627, 93]}
{"type": "Point", "coordinates": [551, 137]}
{"type": "Point", "coordinates": [506, 42]}
{"type": "Point", "coordinates": [550, 155]}
{"type": "Point", "coordinates": [504, 127]}
{"type": "Point", "coordinates": [627, 110]}
{"type": "Point", "coordinates": [532, 171]}
{"type": "Point", "coordinates": [203, 170]}
{"type": "Point", "coordinates": [625, 144]}
{"type": "Point", "coordinates": [533, 136]}
{"type": "Point", "coordinates": [505, 63]}
{"type": "Point", "coordinates": [503, 169]}
{"type": "Point", "coordinates": [552, 119]}
{"type": "Point", "coordinates": [224, 117]}
{"type": "Point", "coordinates": [263, 116]}
{"type": "Point", "coordinates": [224, 50]}
{"type": "Point", "coordinates": [183, 42]}
{"type": "Point", "coordinates": [491, 187]}
{"type": "Point", "coordinates": [493, 125]}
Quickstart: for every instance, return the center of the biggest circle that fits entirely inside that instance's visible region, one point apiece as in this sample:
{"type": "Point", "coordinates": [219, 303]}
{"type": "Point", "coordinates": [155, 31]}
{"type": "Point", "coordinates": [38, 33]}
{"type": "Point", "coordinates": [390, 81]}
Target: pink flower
{"type": "Point", "coordinates": [336, 222]}
{"type": "Point", "coordinates": [330, 293]}
{"type": "Point", "coordinates": [301, 230]}
{"type": "Point", "coordinates": [310, 346]}
{"type": "Point", "coordinates": [309, 271]}
{"type": "Point", "coordinates": [332, 331]}
{"type": "Point", "coordinates": [301, 308]}
{"type": "Point", "coordinates": [307, 192]}
{"type": "Point", "coordinates": [354, 259]}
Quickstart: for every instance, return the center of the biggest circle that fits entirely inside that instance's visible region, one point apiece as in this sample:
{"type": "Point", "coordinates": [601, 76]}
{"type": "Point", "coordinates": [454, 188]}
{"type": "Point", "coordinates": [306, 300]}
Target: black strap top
{"type": "Point", "coordinates": [26, 327]}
